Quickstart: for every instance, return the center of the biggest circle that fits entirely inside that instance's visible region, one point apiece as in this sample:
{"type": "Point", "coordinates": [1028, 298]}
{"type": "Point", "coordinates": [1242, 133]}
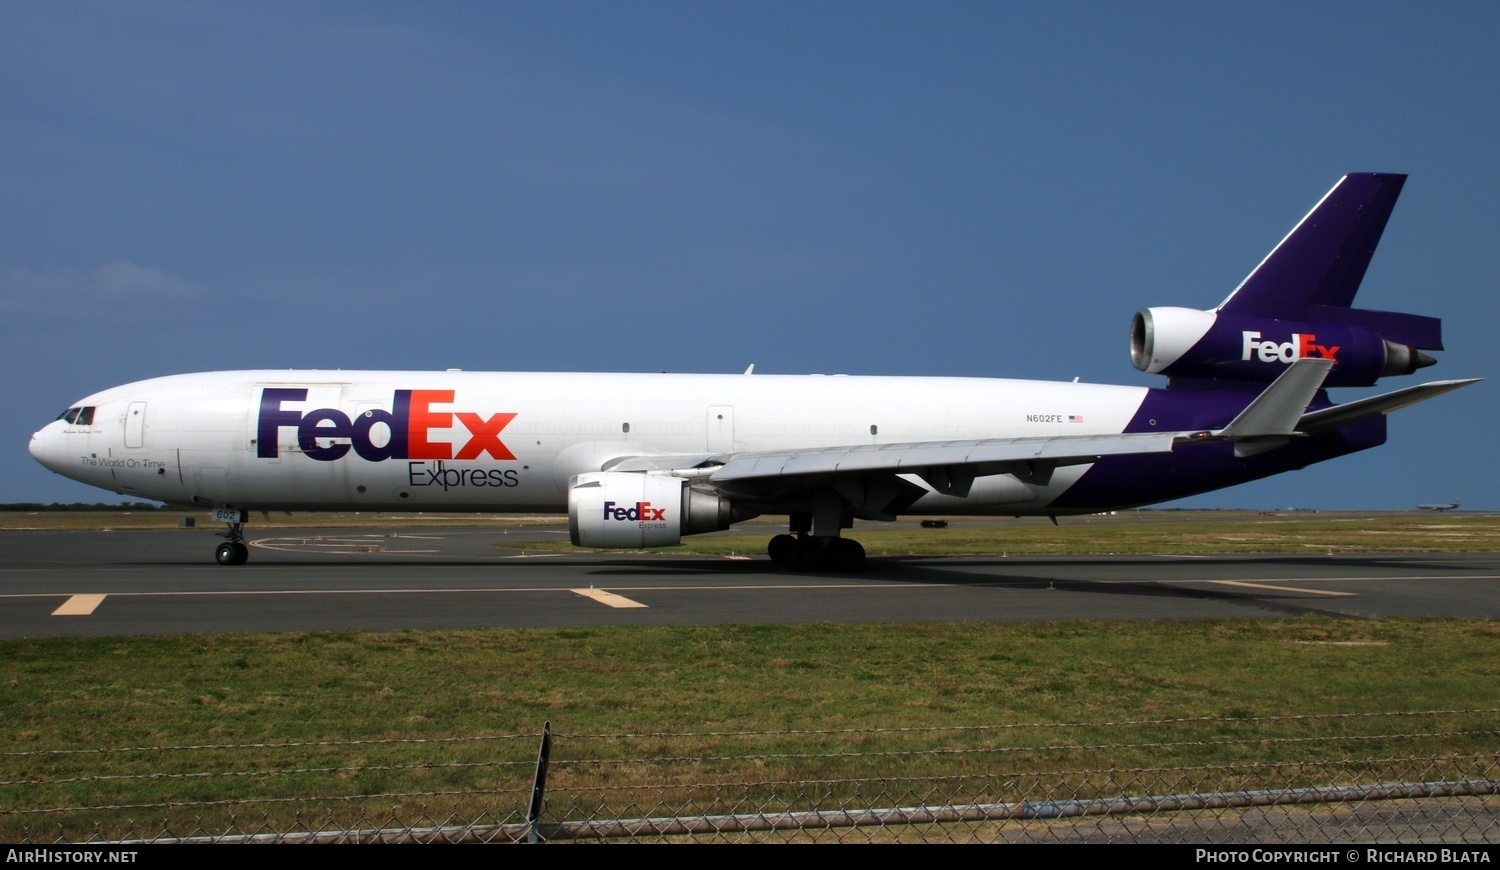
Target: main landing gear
{"type": "Point", "coordinates": [814, 543]}
{"type": "Point", "coordinates": [808, 553]}
{"type": "Point", "coordinates": [233, 551]}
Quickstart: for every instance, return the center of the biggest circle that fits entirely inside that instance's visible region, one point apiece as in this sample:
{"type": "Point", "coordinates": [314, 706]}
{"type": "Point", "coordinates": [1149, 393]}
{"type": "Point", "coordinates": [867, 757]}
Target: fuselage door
{"type": "Point", "coordinates": [720, 426]}
{"type": "Point", "coordinates": [135, 425]}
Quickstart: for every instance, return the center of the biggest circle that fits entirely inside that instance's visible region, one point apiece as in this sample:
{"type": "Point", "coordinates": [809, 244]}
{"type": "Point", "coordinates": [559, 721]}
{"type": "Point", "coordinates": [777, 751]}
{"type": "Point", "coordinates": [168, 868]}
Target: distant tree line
{"type": "Point", "coordinates": [82, 506]}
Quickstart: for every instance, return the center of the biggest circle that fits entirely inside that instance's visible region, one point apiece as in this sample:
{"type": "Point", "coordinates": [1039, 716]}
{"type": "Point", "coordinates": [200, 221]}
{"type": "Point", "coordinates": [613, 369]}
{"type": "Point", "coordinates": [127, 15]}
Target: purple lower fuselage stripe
{"type": "Point", "coordinates": [1196, 468]}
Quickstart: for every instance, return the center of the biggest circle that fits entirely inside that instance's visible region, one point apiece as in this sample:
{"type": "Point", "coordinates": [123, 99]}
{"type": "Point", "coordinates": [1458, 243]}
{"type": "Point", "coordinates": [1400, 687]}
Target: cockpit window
{"type": "Point", "coordinates": [83, 416]}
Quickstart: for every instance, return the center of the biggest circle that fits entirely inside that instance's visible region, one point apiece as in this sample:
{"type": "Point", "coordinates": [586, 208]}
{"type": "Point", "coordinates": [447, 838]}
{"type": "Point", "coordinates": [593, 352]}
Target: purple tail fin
{"type": "Point", "coordinates": [1316, 270]}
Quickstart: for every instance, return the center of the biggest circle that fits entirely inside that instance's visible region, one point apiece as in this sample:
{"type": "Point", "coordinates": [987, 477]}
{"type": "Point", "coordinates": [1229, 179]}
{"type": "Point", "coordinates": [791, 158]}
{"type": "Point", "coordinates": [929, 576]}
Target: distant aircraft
{"type": "Point", "coordinates": [640, 460]}
{"type": "Point", "coordinates": [1450, 506]}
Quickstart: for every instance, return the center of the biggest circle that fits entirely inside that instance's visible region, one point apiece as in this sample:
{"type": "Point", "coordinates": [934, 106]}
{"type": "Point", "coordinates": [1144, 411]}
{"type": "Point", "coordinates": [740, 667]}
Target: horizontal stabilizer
{"type": "Point", "coordinates": [1272, 418]}
{"type": "Point", "coordinates": [1339, 415]}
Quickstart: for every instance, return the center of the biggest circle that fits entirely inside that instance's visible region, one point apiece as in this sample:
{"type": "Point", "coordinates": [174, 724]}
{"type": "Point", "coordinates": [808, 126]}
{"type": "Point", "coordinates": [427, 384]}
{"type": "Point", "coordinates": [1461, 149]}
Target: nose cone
{"type": "Point", "coordinates": [46, 446]}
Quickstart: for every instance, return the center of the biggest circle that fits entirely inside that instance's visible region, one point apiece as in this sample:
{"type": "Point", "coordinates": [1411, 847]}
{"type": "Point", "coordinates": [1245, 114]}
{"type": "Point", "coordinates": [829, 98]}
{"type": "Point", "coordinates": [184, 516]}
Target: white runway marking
{"type": "Point", "coordinates": [1275, 588]}
{"type": "Point", "coordinates": [353, 545]}
{"type": "Point", "coordinates": [608, 599]}
{"type": "Point", "coordinates": [79, 605]}
{"type": "Point", "coordinates": [343, 545]}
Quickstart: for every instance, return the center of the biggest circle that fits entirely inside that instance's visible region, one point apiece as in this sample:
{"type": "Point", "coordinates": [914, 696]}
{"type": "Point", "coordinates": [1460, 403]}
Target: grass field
{"type": "Point", "coordinates": [245, 700]}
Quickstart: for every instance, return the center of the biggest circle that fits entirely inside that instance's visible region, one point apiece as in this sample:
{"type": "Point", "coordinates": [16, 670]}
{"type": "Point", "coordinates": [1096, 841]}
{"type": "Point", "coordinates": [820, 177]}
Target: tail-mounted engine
{"type": "Point", "coordinates": [625, 510]}
{"type": "Point", "coordinates": [1364, 345]}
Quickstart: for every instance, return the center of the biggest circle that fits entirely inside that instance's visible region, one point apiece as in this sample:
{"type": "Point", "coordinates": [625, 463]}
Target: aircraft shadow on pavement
{"type": "Point", "coordinates": [957, 573]}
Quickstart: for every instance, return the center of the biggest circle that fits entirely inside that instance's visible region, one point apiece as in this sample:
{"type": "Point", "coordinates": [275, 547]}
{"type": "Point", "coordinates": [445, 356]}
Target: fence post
{"type": "Point", "coordinates": [539, 786]}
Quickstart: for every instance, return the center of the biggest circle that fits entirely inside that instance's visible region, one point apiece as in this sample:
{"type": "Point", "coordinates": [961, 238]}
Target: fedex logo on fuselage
{"type": "Point", "coordinates": [407, 428]}
{"type": "Point", "coordinates": [1300, 347]}
{"type": "Point", "coordinates": [641, 512]}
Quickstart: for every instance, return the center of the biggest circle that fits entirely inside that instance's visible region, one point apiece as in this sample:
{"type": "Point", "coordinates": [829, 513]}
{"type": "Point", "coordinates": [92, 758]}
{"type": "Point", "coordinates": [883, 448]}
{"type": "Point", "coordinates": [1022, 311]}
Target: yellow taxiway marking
{"type": "Point", "coordinates": [79, 605]}
{"type": "Point", "coordinates": [609, 599]}
{"type": "Point", "coordinates": [1274, 588]}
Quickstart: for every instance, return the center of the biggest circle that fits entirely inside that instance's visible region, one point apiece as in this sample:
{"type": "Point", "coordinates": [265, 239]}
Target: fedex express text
{"type": "Point", "coordinates": [328, 434]}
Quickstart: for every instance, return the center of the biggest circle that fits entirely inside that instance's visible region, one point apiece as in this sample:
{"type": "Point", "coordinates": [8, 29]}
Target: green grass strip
{"type": "Point", "coordinates": [88, 694]}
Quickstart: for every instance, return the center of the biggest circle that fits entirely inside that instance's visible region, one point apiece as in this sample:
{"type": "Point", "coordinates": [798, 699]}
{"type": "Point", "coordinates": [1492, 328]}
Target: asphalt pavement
{"type": "Point", "coordinates": [166, 582]}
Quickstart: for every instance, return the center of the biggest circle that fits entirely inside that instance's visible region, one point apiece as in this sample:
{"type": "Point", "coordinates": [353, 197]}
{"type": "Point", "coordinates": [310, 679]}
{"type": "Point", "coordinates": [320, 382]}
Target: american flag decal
{"type": "Point", "coordinates": [1075, 418]}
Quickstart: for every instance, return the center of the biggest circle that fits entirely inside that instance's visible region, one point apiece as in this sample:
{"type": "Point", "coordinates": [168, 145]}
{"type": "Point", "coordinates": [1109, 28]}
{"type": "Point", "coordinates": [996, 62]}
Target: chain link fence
{"type": "Point", "coordinates": [1429, 776]}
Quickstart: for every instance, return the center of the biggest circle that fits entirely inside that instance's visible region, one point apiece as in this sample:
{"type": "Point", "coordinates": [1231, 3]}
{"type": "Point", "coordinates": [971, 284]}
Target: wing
{"type": "Point", "coordinates": [949, 467]}
{"type": "Point", "coordinates": [874, 479]}
{"type": "Point", "coordinates": [869, 475]}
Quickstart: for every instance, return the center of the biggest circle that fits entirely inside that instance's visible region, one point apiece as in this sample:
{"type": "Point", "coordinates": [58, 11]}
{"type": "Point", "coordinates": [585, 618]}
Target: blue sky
{"type": "Point", "coordinates": [986, 189]}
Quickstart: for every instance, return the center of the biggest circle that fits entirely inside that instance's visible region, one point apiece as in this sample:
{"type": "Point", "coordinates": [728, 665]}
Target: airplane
{"type": "Point", "coordinates": [1450, 506]}
{"type": "Point", "coordinates": [642, 460]}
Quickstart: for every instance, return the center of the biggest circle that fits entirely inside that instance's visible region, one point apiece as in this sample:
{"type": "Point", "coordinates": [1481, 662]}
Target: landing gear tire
{"type": "Point", "coordinates": [807, 555]}
{"type": "Point", "coordinates": [847, 555]}
{"type": "Point", "coordinates": [780, 549]}
{"type": "Point", "coordinates": [232, 553]}
{"type": "Point", "coordinates": [822, 554]}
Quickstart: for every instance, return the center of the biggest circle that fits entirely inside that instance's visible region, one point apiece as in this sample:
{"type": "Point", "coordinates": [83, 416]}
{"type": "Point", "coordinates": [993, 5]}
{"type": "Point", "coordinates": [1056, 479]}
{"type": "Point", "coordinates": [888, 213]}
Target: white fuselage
{"type": "Point", "coordinates": [477, 441]}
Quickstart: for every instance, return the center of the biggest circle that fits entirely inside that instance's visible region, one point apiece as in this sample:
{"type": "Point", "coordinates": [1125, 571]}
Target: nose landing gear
{"type": "Point", "coordinates": [233, 551]}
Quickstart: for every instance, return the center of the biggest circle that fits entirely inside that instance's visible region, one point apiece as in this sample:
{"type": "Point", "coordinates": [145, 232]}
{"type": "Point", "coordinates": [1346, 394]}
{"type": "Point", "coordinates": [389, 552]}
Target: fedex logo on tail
{"type": "Point", "coordinates": [407, 428]}
{"type": "Point", "coordinates": [641, 512]}
{"type": "Point", "coordinates": [1302, 346]}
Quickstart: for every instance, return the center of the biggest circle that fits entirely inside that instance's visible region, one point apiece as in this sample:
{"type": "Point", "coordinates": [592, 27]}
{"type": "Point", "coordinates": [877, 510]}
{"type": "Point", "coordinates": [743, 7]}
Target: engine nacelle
{"type": "Point", "coordinates": [1185, 342]}
{"type": "Point", "coordinates": [624, 510]}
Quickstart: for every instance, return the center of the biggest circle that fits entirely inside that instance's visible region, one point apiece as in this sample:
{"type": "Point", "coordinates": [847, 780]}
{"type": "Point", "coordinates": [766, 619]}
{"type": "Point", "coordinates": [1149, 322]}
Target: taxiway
{"type": "Point", "coordinates": [145, 583]}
